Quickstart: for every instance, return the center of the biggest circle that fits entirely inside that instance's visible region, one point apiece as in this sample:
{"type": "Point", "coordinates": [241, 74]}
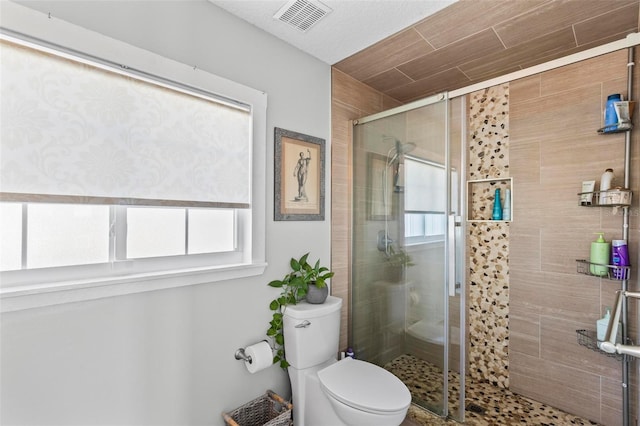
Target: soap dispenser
{"type": "Point", "coordinates": [600, 253]}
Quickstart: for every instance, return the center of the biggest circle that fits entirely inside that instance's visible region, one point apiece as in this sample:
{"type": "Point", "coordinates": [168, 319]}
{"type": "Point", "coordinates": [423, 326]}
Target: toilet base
{"type": "Point", "coordinates": [352, 417]}
{"type": "Point", "coordinates": [311, 407]}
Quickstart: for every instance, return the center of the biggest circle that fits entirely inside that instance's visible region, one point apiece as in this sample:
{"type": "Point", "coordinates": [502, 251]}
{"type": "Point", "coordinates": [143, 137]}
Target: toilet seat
{"type": "Point", "coordinates": [365, 386]}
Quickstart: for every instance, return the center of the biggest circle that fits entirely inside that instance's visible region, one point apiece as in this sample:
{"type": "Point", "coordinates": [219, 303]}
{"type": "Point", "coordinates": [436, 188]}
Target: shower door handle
{"type": "Point", "coordinates": [451, 255]}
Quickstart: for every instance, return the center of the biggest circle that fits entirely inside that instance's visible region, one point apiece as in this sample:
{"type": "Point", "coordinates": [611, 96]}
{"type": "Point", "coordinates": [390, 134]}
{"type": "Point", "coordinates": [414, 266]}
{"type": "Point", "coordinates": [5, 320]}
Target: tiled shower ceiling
{"type": "Point", "coordinates": [475, 40]}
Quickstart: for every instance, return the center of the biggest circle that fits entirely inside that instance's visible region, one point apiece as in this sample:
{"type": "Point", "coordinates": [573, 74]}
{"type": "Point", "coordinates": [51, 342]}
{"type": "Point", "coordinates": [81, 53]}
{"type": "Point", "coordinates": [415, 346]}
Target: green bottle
{"type": "Point", "coordinates": [600, 252]}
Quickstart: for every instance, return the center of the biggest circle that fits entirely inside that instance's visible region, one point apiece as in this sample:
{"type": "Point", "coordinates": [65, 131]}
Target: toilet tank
{"type": "Point", "coordinates": [311, 332]}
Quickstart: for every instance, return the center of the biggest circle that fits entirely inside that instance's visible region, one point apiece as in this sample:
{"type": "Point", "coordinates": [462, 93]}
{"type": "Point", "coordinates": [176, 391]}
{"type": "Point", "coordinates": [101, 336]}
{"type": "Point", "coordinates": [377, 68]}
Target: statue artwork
{"type": "Point", "coordinates": [300, 172]}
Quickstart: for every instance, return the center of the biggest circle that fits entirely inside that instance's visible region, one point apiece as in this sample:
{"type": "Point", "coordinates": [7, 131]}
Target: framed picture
{"type": "Point", "coordinates": [380, 187]}
{"type": "Point", "coordinates": [299, 176]}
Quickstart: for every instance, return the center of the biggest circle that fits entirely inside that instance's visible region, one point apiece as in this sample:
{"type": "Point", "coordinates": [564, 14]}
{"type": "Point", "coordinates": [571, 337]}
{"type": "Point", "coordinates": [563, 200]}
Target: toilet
{"type": "Point", "coordinates": [328, 392]}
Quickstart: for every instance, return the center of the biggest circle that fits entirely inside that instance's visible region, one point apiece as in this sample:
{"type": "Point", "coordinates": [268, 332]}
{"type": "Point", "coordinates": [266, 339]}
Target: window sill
{"type": "Point", "coordinates": [40, 295]}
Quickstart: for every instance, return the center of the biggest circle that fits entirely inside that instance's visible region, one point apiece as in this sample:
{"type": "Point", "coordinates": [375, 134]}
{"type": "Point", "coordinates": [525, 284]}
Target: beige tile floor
{"type": "Point", "coordinates": [501, 406]}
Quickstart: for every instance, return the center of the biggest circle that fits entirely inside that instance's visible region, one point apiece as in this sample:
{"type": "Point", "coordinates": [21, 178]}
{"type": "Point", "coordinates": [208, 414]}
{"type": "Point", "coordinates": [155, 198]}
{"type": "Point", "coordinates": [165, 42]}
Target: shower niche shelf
{"type": "Point", "coordinates": [480, 195]}
{"type": "Point", "coordinates": [612, 272]}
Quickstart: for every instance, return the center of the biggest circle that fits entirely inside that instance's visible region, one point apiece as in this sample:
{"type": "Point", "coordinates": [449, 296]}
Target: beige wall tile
{"type": "Point", "coordinates": [528, 212]}
{"type": "Point", "coordinates": [550, 116]}
{"type": "Point", "coordinates": [524, 89]}
{"type": "Point", "coordinates": [592, 29]}
{"type": "Point", "coordinates": [561, 246]}
{"type": "Point", "coordinates": [447, 78]}
{"type": "Point", "coordinates": [585, 73]}
{"type": "Point", "coordinates": [444, 27]}
{"type": "Point", "coordinates": [388, 102]}
{"type": "Point", "coordinates": [402, 47]}
{"type": "Point", "coordinates": [496, 63]}
{"type": "Point", "coordinates": [524, 334]}
{"type": "Point", "coordinates": [562, 386]}
{"type": "Point", "coordinates": [611, 404]}
{"type": "Point", "coordinates": [524, 161]}
{"type": "Point", "coordinates": [357, 95]}
{"type": "Point", "coordinates": [388, 80]}
{"type": "Point", "coordinates": [481, 44]}
{"type": "Point", "coordinates": [558, 344]}
{"type": "Point", "coordinates": [524, 249]}
{"type": "Point", "coordinates": [566, 295]}
{"type": "Point", "coordinates": [546, 19]}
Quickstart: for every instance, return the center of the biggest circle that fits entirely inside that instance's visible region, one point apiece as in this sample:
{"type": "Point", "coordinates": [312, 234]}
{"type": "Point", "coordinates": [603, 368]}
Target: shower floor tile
{"type": "Point", "coordinates": [501, 406]}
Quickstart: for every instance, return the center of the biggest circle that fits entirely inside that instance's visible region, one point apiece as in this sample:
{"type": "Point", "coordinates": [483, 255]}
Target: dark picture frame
{"type": "Point", "coordinates": [299, 176]}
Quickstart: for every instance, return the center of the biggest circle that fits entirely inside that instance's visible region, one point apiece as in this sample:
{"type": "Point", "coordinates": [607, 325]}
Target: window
{"type": "Point", "coordinates": [424, 227]}
{"type": "Point", "coordinates": [42, 235]}
{"type": "Point", "coordinates": [110, 174]}
{"type": "Point", "coordinates": [425, 201]}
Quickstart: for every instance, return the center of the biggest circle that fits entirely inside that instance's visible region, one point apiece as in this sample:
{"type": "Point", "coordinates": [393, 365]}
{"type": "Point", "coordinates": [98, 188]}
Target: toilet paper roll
{"type": "Point", "coordinates": [261, 356]}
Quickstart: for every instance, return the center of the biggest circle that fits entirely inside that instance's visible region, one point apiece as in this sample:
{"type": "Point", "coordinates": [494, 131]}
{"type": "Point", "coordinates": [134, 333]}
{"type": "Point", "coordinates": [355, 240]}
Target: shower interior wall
{"type": "Point", "coordinates": [553, 148]}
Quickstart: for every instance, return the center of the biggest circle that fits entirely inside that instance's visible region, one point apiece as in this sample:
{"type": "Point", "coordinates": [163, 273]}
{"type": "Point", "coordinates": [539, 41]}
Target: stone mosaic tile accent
{"type": "Point", "coordinates": [488, 242]}
{"type": "Point", "coordinates": [500, 406]}
{"type": "Point", "coordinates": [489, 133]}
{"type": "Point", "coordinates": [488, 301]}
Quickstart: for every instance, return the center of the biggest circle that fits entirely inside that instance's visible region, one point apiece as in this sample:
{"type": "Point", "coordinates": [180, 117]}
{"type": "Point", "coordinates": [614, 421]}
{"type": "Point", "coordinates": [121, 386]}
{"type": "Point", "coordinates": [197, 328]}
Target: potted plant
{"type": "Point", "coordinates": [398, 260]}
{"type": "Point", "coordinates": [399, 257]}
{"type": "Point", "coordinates": [302, 282]}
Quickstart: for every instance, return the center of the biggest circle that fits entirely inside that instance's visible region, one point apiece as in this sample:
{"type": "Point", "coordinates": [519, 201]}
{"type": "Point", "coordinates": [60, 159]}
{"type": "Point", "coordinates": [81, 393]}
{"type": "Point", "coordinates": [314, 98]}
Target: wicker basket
{"type": "Point", "coordinates": [268, 410]}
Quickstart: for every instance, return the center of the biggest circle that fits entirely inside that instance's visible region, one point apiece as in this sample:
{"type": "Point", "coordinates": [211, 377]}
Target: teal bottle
{"type": "Point", "coordinates": [497, 206]}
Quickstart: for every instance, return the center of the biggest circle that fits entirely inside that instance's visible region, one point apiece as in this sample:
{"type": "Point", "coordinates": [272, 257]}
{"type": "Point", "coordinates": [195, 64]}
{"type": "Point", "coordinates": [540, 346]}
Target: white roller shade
{"type": "Point", "coordinates": [425, 186]}
{"type": "Point", "coordinates": [72, 129]}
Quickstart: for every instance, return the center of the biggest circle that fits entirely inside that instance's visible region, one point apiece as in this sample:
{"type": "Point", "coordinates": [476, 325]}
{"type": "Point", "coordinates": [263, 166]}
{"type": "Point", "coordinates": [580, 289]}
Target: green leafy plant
{"type": "Point", "coordinates": [294, 287]}
{"type": "Point", "coordinates": [398, 257]}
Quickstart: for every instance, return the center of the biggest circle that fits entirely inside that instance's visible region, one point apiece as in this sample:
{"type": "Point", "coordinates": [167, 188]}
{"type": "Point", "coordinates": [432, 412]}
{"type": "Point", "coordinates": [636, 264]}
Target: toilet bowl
{"type": "Point", "coordinates": [327, 392]}
{"type": "Point", "coordinates": [365, 394]}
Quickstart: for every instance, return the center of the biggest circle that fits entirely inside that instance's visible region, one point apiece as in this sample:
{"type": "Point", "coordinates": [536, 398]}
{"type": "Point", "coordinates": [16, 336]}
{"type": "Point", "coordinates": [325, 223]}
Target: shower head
{"type": "Point", "coordinates": [398, 150]}
{"type": "Point", "coordinates": [404, 148]}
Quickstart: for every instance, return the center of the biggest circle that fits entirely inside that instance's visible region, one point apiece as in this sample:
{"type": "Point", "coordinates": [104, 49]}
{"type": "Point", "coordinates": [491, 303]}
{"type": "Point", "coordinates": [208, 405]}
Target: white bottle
{"type": "Point", "coordinates": [506, 210]}
{"type": "Point", "coordinates": [602, 324]}
{"type": "Point", "coordinates": [605, 184]}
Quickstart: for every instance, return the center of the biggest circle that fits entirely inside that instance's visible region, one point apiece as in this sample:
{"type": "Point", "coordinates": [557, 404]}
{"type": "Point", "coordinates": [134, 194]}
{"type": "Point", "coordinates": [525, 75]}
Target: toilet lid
{"type": "Point", "coordinates": [364, 386]}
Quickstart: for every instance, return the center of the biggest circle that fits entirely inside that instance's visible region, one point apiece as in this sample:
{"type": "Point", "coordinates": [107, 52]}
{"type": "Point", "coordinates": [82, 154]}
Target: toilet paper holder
{"type": "Point", "coordinates": [240, 355]}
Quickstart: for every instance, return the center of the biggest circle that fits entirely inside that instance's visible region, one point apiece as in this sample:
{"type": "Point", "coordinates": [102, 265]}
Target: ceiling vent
{"type": "Point", "coordinates": [302, 14]}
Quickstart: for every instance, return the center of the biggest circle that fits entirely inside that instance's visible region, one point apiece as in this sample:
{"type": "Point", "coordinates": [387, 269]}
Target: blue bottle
{"type": "Point", "coordinates": [610, 115]}
{"type": "Point", "coordinates": [497, 206]}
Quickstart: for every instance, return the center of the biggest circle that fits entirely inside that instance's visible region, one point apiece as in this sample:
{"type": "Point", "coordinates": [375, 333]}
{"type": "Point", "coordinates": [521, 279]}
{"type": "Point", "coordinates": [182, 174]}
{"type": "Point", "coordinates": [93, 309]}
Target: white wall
{"type": "Point", "coordinates": [166, 357]}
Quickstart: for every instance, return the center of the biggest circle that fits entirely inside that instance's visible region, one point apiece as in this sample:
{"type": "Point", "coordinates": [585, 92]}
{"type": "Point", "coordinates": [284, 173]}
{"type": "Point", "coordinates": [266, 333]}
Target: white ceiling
{"type": "Point", "coordinates": [352, 25]}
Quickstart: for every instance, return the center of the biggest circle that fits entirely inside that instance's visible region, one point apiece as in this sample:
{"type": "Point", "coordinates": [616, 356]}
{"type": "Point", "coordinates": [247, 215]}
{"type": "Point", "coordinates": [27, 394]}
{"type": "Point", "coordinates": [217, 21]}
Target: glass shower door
{"type": "Point", "coordinates": [405, 188]}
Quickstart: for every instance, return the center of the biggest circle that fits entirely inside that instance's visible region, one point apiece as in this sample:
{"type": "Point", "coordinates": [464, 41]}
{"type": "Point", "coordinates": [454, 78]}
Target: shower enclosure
{"type": "Point", "coordinates": [407, 291]}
